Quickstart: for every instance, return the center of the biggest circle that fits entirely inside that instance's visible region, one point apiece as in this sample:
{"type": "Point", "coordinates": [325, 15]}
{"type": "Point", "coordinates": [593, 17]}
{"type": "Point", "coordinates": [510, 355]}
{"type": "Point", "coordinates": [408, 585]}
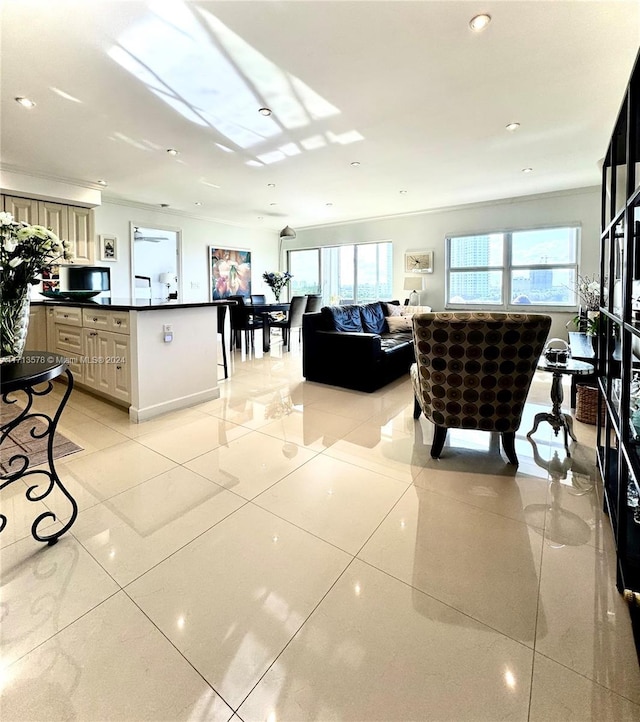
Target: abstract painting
{"type": "Point", "coordinates": [229, 272]}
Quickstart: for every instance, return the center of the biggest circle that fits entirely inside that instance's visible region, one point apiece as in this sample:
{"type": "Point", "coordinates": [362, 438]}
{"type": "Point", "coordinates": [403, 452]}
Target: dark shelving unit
{"type": "Point", "coordinates": [618, 445]}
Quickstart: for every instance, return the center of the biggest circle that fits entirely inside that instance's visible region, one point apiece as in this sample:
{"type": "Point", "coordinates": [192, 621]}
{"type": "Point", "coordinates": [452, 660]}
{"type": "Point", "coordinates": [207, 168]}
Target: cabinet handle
{"type": "Point", "coordinates": [66, 315]}
{"type": "Point", "coordinates": [118, 323]}
{"type": "Point", "coordinates": [65, 339]}
{"type": "Point", "coordinates": [93, 333]}
{"type": "Point", "coordinates": [94, 319]}
{"type": "Point", "coordinates": [119, 368]}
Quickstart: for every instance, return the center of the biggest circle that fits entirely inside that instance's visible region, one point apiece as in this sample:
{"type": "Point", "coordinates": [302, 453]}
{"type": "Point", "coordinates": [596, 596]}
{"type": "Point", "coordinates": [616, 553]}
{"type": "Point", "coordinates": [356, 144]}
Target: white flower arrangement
{"type": "Point", "coordinates": [25, 251]}
{"type": "Point", "coordinates": [588, 290]}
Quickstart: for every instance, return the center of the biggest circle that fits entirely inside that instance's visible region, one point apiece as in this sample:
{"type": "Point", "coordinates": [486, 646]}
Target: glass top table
{"type": "Point", "coordinates": [556, 417]}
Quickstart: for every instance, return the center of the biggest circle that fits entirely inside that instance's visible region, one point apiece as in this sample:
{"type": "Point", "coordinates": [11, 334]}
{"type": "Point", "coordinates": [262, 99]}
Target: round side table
{"type": "Point", "coordinates": [557, 418]}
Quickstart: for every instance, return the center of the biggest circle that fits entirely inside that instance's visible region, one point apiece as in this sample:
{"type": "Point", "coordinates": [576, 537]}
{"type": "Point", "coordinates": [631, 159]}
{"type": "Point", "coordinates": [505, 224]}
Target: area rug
{"type": "Point", "coordinates": [20, 441]}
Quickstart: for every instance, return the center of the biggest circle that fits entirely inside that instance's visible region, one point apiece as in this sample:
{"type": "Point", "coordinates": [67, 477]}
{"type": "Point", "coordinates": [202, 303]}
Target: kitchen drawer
{"type": "Point", "coordinates": [120, 321]}
{"type": "Point", "coordinates": [117, 321]}
{"type": "Point", "coordinates": [95, 318]}
{"type": "Point", "coordinates": [68, 340]}
{"type": "Point", "coordinates": [68, 315]}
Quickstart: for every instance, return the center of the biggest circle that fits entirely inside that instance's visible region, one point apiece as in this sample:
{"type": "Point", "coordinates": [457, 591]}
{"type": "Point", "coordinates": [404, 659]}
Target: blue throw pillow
{"type": "Point", "coordinates": [372, 316]}
{"type": "Point", "coordinates": [343, 318]}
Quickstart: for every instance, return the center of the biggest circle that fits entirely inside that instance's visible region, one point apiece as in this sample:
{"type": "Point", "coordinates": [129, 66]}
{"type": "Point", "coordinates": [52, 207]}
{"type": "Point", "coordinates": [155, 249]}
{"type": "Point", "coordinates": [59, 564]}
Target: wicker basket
{"type": "Point", "coordinates": [587, 404]}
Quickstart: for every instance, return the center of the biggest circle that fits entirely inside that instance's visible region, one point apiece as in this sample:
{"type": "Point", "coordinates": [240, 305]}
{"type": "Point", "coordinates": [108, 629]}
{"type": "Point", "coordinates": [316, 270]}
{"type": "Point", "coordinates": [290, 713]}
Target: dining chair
{"type": "Point", "coordinates": [243, 320]}
{"type": "Point", "coordinates": [258, 299]}
{"type": "Point", "coordinates": [314, 303]}
{"type": "Point", "coordinates": [293, 320]}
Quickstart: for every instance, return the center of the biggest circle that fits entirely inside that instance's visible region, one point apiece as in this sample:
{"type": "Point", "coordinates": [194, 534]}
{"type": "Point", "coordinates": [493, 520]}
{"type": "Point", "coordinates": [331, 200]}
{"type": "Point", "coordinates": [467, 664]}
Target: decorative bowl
{"type": "Point", "coordinates": [70, 295]}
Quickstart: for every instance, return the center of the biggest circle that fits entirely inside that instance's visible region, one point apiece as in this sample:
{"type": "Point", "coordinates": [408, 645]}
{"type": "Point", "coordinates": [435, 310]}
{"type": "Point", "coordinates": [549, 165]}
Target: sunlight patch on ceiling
{"type": "Point", "coordinates": [130, 141]}
{"type": "Point", "coordinates": [212, 77]}
{"type": "Point", "coordinates": [316, 141]}
{"type": "Point", "coordinates": [291, 100]}
{"type": "Point", "coordinates": [64, 95]}
{"type": "Point", "coordinates": [351, 136]}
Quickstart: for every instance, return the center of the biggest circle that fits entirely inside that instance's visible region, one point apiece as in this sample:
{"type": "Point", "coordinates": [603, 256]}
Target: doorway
{"type": "Point", "coordinates": [155, 262]}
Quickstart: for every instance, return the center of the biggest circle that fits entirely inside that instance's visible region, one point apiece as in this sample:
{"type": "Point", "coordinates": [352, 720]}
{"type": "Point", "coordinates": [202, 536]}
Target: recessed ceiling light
{"type": "Point", "coordinates": [402, 193]}
{"type": "Point", "coordinates": [328, 204]}
{"type": "Point", "coordinates": [197, 203]}
{"type": "Point", "coordinates": [264, 111]}
{"type": "Point", "coordinates": [273, 204]}
{"type": "Point", "coordinates": [260, 218]}
{"type": "Point", "coordinates": [512, 126]}
{"type": "Point", "coordinates": [479, 22]}
{"type": "Point", "coordinates": [172, 151]}
{"type": "Point", "coordinates": [355, 163]}
{"type": "Point", "coordinates": [271, 185]}
{"type": "Point", "coordinates": [527, 170]}
{"type": "Point", "coordinates": [102, 182]}
{"type": "Point", "coordinates": [25, 102]}
{"type": "Point", "coordinates": [163, 205]}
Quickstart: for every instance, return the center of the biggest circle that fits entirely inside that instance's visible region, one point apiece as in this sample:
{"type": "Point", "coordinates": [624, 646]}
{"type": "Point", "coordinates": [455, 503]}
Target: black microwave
{"type": "Point", "coordinates": [88, 278]}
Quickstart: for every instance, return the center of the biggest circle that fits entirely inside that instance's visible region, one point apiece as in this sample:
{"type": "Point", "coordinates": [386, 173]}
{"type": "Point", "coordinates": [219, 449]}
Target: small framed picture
{"type": "Point", "coordinates": [418, 262]}
{"type": "Point", "coordinates": [108, 248]}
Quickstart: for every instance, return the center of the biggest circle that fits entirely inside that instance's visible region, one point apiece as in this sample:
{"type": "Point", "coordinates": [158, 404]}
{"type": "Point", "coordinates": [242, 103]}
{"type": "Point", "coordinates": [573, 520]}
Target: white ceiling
{"type": "Point", "coordinates": [405, 88]}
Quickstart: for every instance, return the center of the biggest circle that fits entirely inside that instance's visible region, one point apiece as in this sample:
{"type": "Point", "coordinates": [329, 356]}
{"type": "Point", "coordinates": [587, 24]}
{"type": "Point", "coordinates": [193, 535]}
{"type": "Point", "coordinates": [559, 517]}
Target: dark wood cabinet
{"type": "Point", "coordinates": [618, 364]}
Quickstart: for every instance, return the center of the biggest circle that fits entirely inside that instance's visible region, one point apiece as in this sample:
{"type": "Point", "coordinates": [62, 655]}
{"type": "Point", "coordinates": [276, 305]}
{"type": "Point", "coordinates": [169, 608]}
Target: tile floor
{"type": "Point", "coordinates": [291, 552]}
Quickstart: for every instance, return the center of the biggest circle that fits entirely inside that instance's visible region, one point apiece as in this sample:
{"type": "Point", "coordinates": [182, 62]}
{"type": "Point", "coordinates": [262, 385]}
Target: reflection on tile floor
{"type": "Point", "coordinates": [290, 551]}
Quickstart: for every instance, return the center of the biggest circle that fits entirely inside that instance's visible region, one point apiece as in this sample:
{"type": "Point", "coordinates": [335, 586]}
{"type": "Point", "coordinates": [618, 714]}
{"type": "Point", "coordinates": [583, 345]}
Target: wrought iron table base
{"type": "Point", "coordinates": [556, 418]}
{"type": "Point", "coordinates": [19, 463]}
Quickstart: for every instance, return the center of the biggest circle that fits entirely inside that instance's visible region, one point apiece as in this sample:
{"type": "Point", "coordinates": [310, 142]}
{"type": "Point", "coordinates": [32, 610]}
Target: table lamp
{"type": "Point", "coordinates": [413, 283]}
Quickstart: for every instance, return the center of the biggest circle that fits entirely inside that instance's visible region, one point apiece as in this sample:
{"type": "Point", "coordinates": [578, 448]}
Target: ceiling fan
{"type": "Point", "coordinates": [137, 236]}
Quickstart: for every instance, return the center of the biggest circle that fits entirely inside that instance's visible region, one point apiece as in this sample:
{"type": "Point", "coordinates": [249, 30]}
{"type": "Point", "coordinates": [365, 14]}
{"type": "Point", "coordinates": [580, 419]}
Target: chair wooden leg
{"type": "Point", "coordinates": [509, 446]}
{"type": "Point", "coordinates": [417, 410]}
{"type": "Point", "coordinates": [439, 437]}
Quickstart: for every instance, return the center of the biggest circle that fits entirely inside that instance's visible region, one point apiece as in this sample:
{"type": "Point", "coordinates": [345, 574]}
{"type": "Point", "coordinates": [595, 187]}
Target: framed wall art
{"type": "Point", "coordinates": [108, 247]}
{"type": "Point", "coordinates": [229, 272]}
{"type": "Point", "coordinates": [418, 261]}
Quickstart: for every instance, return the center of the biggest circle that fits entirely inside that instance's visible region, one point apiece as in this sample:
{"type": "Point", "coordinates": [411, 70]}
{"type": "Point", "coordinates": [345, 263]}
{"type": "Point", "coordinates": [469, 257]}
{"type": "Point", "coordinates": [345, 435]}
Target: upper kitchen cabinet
{"type": "Point", "coordinates": [22, 209]}
{"type": "Point", "coordinates": [81, 234]}
{"type": "Point", "coordinates": [72, 223]}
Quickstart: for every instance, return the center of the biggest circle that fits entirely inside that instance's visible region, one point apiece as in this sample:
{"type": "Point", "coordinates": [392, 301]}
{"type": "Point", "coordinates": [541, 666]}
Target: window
{"type": "Point", "coordinates": [536, 267]}
{"type": "Point", "coordinates": [305, 268]}
{"type": "Point", "coordinates": [344, 274]}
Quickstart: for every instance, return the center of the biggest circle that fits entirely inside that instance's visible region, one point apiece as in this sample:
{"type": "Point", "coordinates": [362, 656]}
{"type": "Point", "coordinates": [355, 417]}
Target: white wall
{"type": "Point", "coordinates": [197, 235]}
{"type": "Point", "coordinates": [427, 231]}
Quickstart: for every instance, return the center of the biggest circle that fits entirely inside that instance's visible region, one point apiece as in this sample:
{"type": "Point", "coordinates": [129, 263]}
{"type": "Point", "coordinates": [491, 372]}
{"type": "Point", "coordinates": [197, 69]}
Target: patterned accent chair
{"type": "Point", "coordinates": [473, 370]}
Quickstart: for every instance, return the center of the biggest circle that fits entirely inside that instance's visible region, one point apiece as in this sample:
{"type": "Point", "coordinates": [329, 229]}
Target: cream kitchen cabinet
{"type": "Point", "coordinates": [122, 352]}
{"type": "Point", "coordinates": [37, 334]}
{"type": "Point", "coordinates": [96, 344]}
{"type": "Point", "coordinates": [81, 234]}
{"type": "Point", "coordinates": [107, 352]}
{"type": "Point", "coordinates": [72, 223]}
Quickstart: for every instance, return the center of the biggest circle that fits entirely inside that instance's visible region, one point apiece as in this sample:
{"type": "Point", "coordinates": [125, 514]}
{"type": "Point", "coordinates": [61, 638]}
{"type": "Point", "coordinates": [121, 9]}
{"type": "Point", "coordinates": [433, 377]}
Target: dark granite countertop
{"type": "Point", "coordinates": [127, 304]}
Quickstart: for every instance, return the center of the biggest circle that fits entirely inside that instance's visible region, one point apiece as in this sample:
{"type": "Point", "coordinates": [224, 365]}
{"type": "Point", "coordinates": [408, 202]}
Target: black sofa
{"type": "Point", "coordinates": [351, 346]}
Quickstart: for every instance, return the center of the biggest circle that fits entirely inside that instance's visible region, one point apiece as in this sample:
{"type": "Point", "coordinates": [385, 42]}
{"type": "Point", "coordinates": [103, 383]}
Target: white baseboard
{"type": "Point", "coordinates": [138, 415]}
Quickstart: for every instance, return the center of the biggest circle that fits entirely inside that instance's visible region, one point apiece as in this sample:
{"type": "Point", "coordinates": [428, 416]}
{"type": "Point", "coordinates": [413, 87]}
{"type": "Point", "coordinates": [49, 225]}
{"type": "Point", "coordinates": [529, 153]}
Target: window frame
{"type": "Point", "coordinates": [507, 269]}
{"type": "Point", "coordinates": [354, 246]}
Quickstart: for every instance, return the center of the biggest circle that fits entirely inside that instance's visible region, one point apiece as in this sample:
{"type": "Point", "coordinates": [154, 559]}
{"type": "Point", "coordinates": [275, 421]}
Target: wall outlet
{"type": "Point", "coordinates": [167, 328]}
{"type": "Point", "coordinates": [195, 285]}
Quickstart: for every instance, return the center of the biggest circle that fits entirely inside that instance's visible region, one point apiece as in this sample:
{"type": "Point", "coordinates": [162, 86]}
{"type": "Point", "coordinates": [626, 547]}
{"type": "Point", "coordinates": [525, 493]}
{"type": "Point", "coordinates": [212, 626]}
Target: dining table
{"type": "Point", "coordinates": [263, 310]}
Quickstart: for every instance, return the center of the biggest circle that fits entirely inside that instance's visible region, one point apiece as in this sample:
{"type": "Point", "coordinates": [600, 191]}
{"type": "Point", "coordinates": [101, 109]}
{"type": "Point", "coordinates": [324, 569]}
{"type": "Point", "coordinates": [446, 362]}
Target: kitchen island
{"type": "Point", "coordinates": [151, 356]}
